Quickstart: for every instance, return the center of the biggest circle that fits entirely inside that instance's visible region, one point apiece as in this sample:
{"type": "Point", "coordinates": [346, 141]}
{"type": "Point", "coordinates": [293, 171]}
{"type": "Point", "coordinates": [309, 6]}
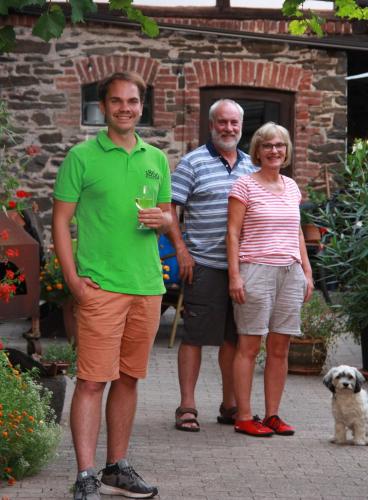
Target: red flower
{"type": "Point", "coordinates": [22, 194]}
{"type": "Point", "coordinates": [32, 150]}
{"type": "Point", "coordinates": [5, 292]}
{"type": "Point", "coordinates": [4, 235]}
{"type": "Point", "coordinates": [12, 204]}
{"type": "Point", "coordinates": [1, 345]}
{"type": "Point", "coordinates": [12, 252]}
{"type": "Point", "coordinates": [21, 277]}
{"type": "Point", "coordinates": [10, 274]}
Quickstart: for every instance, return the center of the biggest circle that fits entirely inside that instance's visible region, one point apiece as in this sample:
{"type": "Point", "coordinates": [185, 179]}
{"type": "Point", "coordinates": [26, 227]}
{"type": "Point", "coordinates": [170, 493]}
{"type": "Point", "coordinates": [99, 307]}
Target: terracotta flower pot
{"type": "Point", "coordinates": [306, 356]}
{"type": "Point", "coordinates": [311, 233]}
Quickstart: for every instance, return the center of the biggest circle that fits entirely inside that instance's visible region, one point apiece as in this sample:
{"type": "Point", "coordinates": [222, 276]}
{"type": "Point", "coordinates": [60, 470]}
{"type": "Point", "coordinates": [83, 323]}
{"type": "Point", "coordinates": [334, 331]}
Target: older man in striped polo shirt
{"type": "Point", "coordinates": [200, 184]}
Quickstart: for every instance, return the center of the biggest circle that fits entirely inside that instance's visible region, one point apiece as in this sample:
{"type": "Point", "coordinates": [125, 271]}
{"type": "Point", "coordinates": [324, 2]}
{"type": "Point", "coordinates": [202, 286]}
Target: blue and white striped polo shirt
{"type": "Point", "coordinates": [201, 183]}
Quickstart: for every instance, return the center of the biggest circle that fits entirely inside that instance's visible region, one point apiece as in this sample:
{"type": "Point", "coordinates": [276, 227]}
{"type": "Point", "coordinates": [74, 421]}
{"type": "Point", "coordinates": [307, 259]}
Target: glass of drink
{"type": "Point", "coordinates": [144, 199]}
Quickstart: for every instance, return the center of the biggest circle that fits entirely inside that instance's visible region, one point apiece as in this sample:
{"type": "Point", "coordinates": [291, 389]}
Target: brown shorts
{"type": "Point", "coordinates": [274, 296]}
{"type": "Point", "coordinates": [115, 334]}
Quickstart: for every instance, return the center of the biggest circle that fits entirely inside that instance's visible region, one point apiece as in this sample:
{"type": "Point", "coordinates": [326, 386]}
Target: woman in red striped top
{"type": "Point", "coordinates": [269, 275]}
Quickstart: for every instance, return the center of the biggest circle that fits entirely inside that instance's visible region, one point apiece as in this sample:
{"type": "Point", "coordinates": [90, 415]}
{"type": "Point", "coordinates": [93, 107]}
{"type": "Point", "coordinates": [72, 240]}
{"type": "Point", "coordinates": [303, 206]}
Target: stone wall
{"type": "Point", "coordinates": [41, 83]}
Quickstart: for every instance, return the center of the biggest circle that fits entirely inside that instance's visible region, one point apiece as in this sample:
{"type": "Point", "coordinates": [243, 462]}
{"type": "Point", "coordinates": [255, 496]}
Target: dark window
{"type": "Point", "coordinates": [91, 114]}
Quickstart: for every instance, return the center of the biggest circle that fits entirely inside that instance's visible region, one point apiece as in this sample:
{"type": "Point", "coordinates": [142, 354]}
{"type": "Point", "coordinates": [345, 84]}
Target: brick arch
{"type": "Point", "coordinates": [92, 69]}
{"type": "Point", "coordinates": [259, 74]}
{"type": "Point", "coordinates": [96, 68]}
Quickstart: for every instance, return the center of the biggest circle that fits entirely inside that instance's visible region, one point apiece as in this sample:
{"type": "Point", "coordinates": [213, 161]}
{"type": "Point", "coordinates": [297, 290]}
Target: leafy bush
{"type": "Point", "coordinates": [345, 253]}
{"type": "Point", "coordinates": [28, 433]}
{"type": "Point", "coordinates": [319, 321]}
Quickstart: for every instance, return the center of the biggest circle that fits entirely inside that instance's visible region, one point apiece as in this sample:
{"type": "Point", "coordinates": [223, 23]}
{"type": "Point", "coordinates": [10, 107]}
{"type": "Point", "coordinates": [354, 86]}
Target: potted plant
{"type": "Point", "coordinates": [345, 252]}
{"type": "Point", "coordinates": [55, 291]}
{"type": "Point", "coordinates": [320, 329]}
{"type": "Point", "coordinates": [60, 358]}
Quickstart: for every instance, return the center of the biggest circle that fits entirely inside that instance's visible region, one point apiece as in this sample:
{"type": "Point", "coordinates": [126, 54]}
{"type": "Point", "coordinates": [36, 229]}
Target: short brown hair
{"type": "Point", "coordinates": [265, 133]}
{"type": "Point", "coordinates": [124, 76]}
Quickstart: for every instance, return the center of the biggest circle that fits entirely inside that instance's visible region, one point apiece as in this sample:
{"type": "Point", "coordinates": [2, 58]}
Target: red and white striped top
{"type": "Point", "coordinates": [270, 231]}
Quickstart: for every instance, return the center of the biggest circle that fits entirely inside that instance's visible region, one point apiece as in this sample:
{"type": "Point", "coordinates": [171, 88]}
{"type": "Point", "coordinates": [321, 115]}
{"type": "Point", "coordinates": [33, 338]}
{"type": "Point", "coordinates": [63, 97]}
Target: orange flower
{"type": "Point", "coordinates": [5, 434]}
{"type": "Point", "coordinates": [8, 470]}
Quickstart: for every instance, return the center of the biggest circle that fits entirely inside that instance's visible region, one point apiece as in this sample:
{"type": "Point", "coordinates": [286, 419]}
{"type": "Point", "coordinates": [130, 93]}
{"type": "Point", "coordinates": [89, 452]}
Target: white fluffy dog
{"type": "Point", "coordinates": [349, 404]}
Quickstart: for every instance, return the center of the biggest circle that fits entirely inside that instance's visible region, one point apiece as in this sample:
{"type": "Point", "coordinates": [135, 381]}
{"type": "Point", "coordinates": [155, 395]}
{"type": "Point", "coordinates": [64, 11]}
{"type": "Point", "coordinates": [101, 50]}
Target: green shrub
{"type": "Point", "coordinates": [28, 433]}
{"type": "Point", "coordinates": [345, 254]}
{"type": "Point", "coordinates": [319, 321]}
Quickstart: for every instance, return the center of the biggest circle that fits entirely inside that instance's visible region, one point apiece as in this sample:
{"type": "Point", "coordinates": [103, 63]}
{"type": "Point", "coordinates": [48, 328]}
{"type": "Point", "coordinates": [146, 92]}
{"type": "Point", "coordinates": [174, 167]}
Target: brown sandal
{"type": "Point", "coordinates": [180, 422]}
{"type": "Point", "coordinates": [227, 415]}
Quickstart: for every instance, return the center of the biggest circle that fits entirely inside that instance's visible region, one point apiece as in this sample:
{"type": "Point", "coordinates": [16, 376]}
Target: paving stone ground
{"type": "Point", "coordinates": [217, 463]}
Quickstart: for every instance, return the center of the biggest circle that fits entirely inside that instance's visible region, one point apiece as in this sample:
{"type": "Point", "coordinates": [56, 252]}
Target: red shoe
{"type": "Point", "coordinates": [253, 427]}
{"type": "Point", "coordinates": [278, 426]}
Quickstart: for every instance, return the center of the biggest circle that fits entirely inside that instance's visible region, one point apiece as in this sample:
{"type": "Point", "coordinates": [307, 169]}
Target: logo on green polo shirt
{"type": "Point", "coordinates": [151, 174]}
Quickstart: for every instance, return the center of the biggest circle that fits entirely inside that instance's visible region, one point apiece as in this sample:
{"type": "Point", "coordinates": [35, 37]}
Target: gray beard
{"type": "Point", "coordinates": [225, 145]}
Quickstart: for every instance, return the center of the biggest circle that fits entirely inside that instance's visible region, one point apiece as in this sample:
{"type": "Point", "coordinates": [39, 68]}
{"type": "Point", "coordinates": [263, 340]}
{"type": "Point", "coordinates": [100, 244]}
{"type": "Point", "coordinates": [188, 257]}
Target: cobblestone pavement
{"type": "Point", "coordinates": [217, 463]}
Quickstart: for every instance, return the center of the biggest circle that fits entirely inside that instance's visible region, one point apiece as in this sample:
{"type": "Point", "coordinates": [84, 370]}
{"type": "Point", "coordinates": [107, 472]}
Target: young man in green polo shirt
{"type": "Point", "coordinates": [116, 279]}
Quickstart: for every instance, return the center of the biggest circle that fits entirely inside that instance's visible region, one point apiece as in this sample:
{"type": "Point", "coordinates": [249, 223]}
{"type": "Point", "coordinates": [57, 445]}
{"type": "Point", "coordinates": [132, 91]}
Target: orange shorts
{"type": "Point", "coordinates": [115, 334]}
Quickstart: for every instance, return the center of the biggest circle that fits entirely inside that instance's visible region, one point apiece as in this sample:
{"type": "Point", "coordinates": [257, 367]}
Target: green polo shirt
{"type": "Point", "coordinates": [103, 179]}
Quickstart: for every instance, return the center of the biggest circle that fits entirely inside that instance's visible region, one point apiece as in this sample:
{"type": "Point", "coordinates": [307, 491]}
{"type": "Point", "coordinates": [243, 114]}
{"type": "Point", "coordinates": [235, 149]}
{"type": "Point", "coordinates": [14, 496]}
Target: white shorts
{"type": "Point", "coordinates": [274, 296]}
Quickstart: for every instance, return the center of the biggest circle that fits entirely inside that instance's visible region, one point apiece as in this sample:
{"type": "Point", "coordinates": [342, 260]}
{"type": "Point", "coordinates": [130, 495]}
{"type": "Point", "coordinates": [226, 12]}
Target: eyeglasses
{"type": "Point", "coordinates": [269, 147]}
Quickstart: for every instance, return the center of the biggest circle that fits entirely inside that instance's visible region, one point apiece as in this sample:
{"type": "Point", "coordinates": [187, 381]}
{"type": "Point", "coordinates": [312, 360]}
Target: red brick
{"type": "Point", "coordinates": [259, 74]}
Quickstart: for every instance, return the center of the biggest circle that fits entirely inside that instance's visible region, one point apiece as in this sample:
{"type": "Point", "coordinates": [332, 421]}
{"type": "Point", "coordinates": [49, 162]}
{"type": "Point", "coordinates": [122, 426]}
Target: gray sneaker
{"type": "Point", "coordinates": [121, 479]}
{"type": "Point", "coordinates": [87, 486]}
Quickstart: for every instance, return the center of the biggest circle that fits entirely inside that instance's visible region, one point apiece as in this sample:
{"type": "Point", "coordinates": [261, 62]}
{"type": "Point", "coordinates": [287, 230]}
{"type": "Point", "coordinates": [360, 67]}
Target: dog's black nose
{"type": "Point", "coordinates": [346, 384]}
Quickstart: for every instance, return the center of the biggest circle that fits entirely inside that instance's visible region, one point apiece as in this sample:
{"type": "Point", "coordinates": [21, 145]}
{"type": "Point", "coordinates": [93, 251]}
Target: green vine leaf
{"type": "Point", "coordinates": [291, 7]}
{"type": "Point", "coordinates": [350, 10]}
{"type": "Point", "coordinates": [51, 24]}
{"type": "Point", "coordinates": [149, 26]}
{"type": "Point", "coordinates": [315, 24]}
{"type": "Point", "coordinates": [298, 27]}
{"type": "Point", "coordinates": [7, 39]}
{"type": "Point", "coordinates": [80, 8]}
{"type": "Point", "coordinates": [119, 4]}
